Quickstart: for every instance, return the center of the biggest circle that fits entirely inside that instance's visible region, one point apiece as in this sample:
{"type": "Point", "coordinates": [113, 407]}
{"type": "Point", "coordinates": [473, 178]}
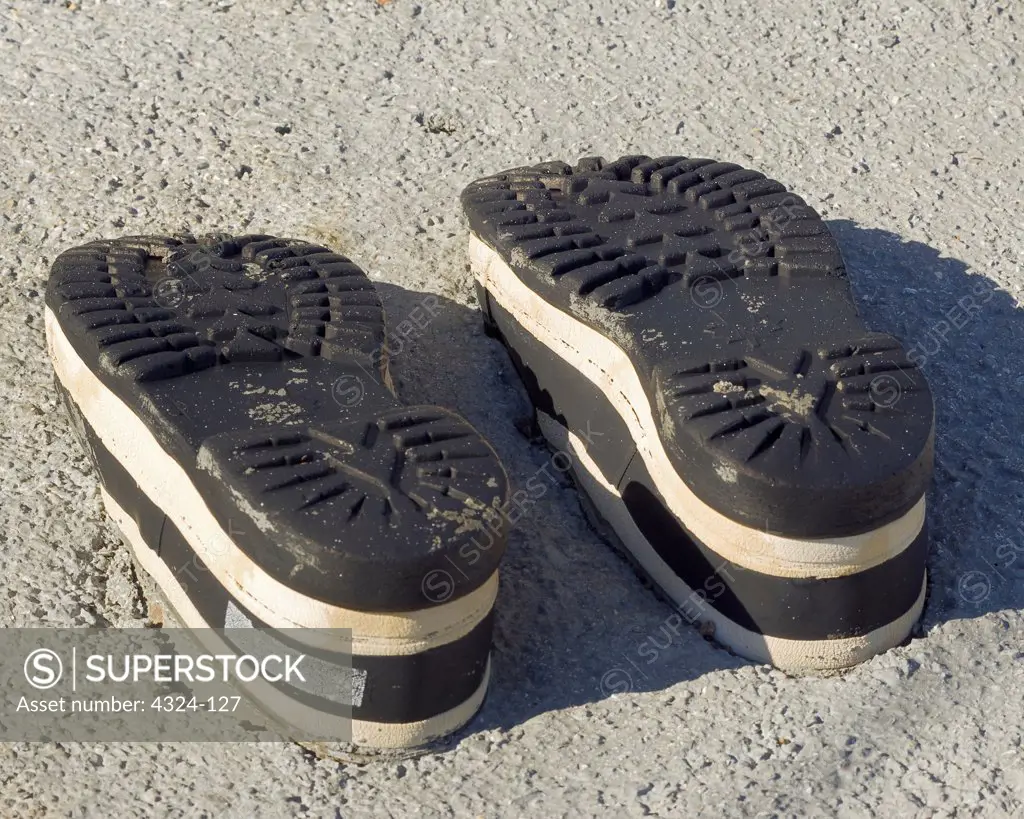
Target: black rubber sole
{"type": "Point", "coordinates": [232, 392]}
{"type": "Point", "coordinates": [729, 297]}
{"type": "Point", "coordinates": [688, 326]}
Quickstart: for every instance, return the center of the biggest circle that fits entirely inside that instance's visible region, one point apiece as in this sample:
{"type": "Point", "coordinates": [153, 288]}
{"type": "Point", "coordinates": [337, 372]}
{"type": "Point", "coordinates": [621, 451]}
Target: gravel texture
{"type": "Point", "coordinates": [357, 126]}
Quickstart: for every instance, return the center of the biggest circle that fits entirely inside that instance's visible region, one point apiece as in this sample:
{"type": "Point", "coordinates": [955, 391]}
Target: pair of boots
{"type": "Point", "coordinates": [687, 335]}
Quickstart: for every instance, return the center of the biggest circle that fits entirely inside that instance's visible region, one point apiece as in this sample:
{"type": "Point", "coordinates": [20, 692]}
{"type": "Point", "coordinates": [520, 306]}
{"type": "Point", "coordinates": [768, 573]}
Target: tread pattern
{"type": "Point", "coordinates": [361, 501]}
{"type": "Point", "coordinates": [414, 465]}
{"type": "Point", "coordinates": [159, 307]}
{"type": "Point", "coordinates": [829, 404]}
{"type": "Point", "coordinates": [618, 232]}
{"type": "Point", "coordinates": [729, 298]}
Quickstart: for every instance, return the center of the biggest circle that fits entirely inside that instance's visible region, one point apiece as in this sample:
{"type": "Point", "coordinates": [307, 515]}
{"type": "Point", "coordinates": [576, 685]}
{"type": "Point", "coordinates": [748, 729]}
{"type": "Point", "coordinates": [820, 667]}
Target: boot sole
{"type": "Point", "coordinates": [340, 516]}
{"type": "Point", "coordinates": [701, 452]}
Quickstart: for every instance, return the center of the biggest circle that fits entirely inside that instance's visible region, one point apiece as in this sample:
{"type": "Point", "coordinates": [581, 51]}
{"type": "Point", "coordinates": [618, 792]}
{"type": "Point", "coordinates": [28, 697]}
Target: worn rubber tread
{"type": "Point", "coordinates": [777, 406]}
{"type": "Point", "coordinates": [258, 364]}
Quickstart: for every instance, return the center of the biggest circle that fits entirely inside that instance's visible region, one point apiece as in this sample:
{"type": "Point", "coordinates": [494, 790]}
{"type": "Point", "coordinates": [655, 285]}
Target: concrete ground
{"type": "Point", "coordinates": [357, 126]}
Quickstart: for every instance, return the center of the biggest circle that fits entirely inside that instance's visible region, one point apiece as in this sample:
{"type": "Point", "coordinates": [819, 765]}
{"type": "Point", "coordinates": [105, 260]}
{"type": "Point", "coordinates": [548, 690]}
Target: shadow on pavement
{"type": "Point", "coordinates": [967, 335]}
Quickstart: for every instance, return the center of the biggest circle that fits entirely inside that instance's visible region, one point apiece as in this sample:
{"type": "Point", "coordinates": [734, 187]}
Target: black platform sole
{"type": "Point", "coordinates": [232, 394]}
{"type": "Point", "coordinates": [687, 332]}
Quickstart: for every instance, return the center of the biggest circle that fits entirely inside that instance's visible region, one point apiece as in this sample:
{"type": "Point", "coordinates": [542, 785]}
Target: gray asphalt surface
{"type": "Point", "coordinates": [357, 126]}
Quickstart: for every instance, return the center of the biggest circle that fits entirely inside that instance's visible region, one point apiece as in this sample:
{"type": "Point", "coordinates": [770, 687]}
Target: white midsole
{"type": "Point", "coordinates": [605, 364]}
{"type": "Point", "coordinates": [791, 655]}
{"type": "Point", "coordinates": [164, 481]}
{"type": "Point", "coordinates": [301, 717]}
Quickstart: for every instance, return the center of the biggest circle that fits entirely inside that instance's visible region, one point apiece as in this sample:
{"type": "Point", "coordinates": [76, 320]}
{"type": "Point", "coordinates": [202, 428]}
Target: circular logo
{"type": "Point", "coordinates": [43, 668]}
{"type": "Point", "coordinates": [616, 681]}
{"type": "Point", "coordinates": [348, 390]}
{"type": "Point", "coordinates": [885, 390]}
{"type": "Point", "coordinates": [438, 585]}
{"type": "Point", "coordinates": [706, 292]}
{"type": "Point", "coordinates": [169, 292]}
{"type": "Point", "coordinates": [974, 587]}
